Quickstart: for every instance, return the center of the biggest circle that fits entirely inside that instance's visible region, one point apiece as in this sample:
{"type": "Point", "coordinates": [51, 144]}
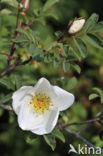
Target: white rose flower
{"type": "Point", "coordinates": [76, 26]}
{"type": "Point", "coordinates": [38, 107]}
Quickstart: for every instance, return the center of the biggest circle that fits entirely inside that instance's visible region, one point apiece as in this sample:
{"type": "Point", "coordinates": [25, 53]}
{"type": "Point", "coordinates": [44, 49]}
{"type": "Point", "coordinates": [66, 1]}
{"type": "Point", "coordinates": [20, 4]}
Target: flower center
{"type": "Point", "coordinates": [41, 102]}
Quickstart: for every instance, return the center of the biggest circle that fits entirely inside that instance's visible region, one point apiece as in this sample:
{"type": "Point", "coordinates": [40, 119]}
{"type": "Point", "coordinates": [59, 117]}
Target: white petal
{"type": "Point", "coordinates": [44, 86]}
{"type": "Point", "coordinates": [63, 99]}
{"type": "Point", "coordinates": [39, 124]}
{"type": "Point", "coordinates": [50, 121]}
{"type": "Point", "coordinates": [18, 97]}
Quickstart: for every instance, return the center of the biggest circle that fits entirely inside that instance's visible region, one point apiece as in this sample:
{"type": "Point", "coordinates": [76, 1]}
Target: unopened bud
{"type": "Point", "coordinates": [25, 4]}
{"type": "Point", "coordinates": [76, 25]}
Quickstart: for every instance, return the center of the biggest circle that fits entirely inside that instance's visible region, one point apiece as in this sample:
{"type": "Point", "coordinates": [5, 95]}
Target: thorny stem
{"type": "Point", "coordinates": [15, 35]}
{"type": "Point", "coordinates": [25, 4]}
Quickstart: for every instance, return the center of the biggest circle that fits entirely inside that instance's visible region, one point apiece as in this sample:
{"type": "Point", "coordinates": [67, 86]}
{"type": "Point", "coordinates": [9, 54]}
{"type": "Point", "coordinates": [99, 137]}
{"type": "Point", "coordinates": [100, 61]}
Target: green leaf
{"type": "Point", "coordinates": [40, 20]}
{"type": "Point", "coordinates": [81, 47]}
{"type": "Point", "coordinates": [56, 62]}
{"type": "Point", "coordinates": [5, 98]}
{"type": "Point", "coordinates": [37, 54]}
{"type": "Point", "coordinates": [38, 58]}
{"type": "Point", "coordinates": [98, 27]}
{"type": "Point", "coordinates": [70, 58]}
{"type": "Point", "coordinates": [25, 33]}
{"type": "Point", "coordinates": [21, 38]}
{"type": "Point", "coordinates": [76, 67]}
{"type": "Point", "coordinates": [7, 83]}
{"type": "Point", "coordinates": [51, 45]}
{"type": "Point", "coordinates": [50, 140]}
{"type": "Point", "coordinates": [93, 96]}
{"type": "Point", "coordinates": [58, 33]}
{"type": "Point", "coordinates": [94, 41]}
{"type": "Point", "coordinates": [31, 139]}
{"type": "Point", "coordinates": [48, 4]}
{"type": "Point", "coordinates": [35, 51]}
{"type": "Point", "coordinates": [50, 14]}
{"type": "Point", "coordinates": [36, 12]}
{"type": "Point", "coordinates": [66, 50]}
{"type": "Point", "coordinates": [18, 81]}
{"type": "Point", "coordinates": [4, 12]}
{"type": "Point", "coordinates": [58, 134]}
{"type": "Point", "coordinates": [48, 58]}
{"type": "Point", "coordinates": [12, 3]}
{"type": "Point", "coordinates": [101, 98]}
{"type": "Point", "coordinates": [66, 66]}
{"type": "Point", "coordinates": [100, 92]}
{"type": "Point", "coordinates": [72, 83]}
{"type": "Point", "coordinates": [90, 23]}
{"type": "Point", "coordinates": [32, 48]}
{"type": "Point", "coordinates": [75, 53]}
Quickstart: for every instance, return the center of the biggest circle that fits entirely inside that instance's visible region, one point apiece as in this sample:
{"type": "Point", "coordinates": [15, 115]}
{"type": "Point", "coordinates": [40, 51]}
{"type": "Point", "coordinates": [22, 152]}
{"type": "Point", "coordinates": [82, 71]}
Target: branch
{"type": "Point", "coordinates": [86, 126]}
{"type": "Point", "coordinates": [58, 79]}
{"type": "Point", "coordinates": [65, 32]}
{"type": "Point", "coordinates": [12, 67]}
{"type": "Point", "coordinates": [81, 123]}
{"type": "Point", "coordinates": [15, 34]}
{"type": "Point", "coordinates": [6, 107]}
{"type": "Point", "coordinates": [82, 139]}
{"type": "Point", "coordinates": [27, 25]}
{"type": "Point", "coordinates": [62, 36]}
{"type": "Point", "coordinates": [24, 4]}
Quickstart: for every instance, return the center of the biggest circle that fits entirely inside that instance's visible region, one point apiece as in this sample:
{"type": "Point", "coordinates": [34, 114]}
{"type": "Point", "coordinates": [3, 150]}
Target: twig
{"type": "Point", "coordinates": [12, 67]}
{"type": "Point", "coordinates": [25, 62]}
{"type": "Point", "coordinates": [9, 56]}
{"type": "Point", "coordinates": [86, 126]}
{"type": "Point", "coordinates": [62, 36]}
{"type": "Point", "coordinates": [83, 129]}
{"type": "Point", "coordinates": [25, 4]}
{"type": "Point", "coordinates": [15, 34]}
{"type": "Point", "coordinates": [81, 123]}
{"type": "Point", "coordinates": [82, 139]}
{"type": "Point", "coordinates": [6, 107]}
{"type": "Point", "coordinates": [100, 113]}
{"type": "Point", "coordinates": [27, 25]}
{"type": "Point", "coordinates": [65, 32]}
{"type": "Point", "coordinates": [58, 79]}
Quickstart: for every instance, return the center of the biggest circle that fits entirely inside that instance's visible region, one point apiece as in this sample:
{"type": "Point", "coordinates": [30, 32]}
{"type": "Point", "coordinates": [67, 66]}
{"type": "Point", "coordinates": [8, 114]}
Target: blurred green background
{"type": "Point", "coordinates": [12, 138]}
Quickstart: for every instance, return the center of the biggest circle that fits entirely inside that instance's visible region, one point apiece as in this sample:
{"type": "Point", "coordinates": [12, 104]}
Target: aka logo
{"type": "Point", "coordinates": [72, 149]}
{"type": "Point", "coordinates": [84, 150]}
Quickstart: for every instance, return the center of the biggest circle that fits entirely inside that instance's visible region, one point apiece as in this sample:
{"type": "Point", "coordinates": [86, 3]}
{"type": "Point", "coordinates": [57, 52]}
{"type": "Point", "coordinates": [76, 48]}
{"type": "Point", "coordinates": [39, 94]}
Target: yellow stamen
{"type": "Point", "coordinates": [41, 102]}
